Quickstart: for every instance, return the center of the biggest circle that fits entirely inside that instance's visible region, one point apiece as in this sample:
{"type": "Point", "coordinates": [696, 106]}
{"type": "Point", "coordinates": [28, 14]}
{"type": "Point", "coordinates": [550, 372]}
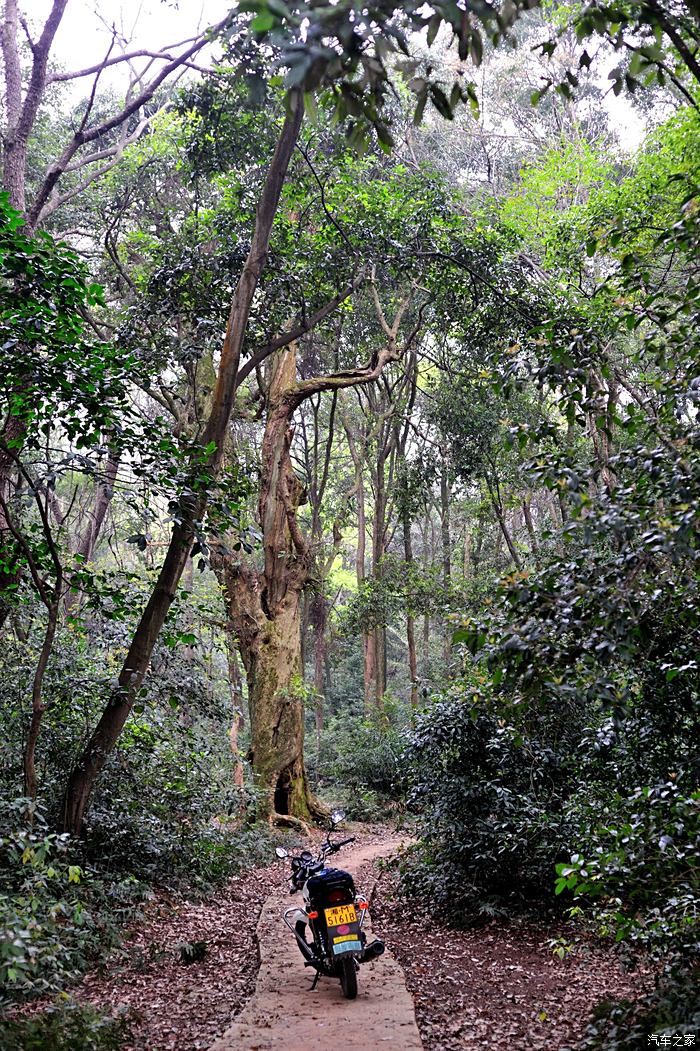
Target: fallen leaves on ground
{"type": "Point", "coordinates": [499, 985]}
{"type": "Point", "coordinates": [188, 970]}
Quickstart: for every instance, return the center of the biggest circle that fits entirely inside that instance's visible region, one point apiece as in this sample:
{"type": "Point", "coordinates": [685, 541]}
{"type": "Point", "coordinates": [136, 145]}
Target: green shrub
{"type": "Point", "coordinates": [55, 914]}
{"type": "Point", "coordinates": [66, 1026]}
{"type": "Point", "coordinates": [638, 869]}
{"type": "Point", "coordinates": [360, 762]}
{"type": "Point", "coordinates": [490, 812]}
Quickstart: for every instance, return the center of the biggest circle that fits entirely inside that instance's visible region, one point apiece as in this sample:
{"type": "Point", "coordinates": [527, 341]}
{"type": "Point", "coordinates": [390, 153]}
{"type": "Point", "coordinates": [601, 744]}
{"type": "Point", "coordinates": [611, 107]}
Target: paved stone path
{"type": "Point", "coordinates": [284, 1013]}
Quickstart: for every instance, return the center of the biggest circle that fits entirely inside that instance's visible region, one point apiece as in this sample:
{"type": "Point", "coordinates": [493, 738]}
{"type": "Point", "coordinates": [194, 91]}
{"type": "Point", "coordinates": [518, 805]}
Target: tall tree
{"type": "Point", "coordinates": [205, 468]}
{"type": "Point", "coordinates": [265, 604]}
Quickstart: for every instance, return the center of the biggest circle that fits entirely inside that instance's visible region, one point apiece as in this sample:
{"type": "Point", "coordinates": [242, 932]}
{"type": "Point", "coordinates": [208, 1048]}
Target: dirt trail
{"type": "Point", "coordinates": [284, 1013]}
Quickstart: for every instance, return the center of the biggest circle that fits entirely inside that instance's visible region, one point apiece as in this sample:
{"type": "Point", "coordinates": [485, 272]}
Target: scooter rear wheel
{"type": "Point", "coordinates": [348, 977]}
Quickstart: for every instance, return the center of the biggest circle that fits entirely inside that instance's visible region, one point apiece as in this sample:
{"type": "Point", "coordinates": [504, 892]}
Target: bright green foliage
{"type": "Point", "coordinates": [551, 209]}
{"type": "Point", "coordinates": [50, 362]}
{"type": "Point", "coordinates": [360, 763]}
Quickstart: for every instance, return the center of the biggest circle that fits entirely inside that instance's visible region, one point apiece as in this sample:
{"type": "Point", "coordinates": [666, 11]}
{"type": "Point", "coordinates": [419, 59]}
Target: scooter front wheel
{"type": "Point", "coordinates": [348, 977]}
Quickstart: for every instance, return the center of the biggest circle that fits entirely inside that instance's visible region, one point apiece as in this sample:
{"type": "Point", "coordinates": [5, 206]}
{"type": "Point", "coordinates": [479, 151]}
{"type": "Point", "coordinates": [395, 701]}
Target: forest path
{"type": "Point", "coordinates": [284, 1013]}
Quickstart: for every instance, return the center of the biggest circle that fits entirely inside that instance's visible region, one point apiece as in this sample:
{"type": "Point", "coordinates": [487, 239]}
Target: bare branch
{"type": "Point", "coordinates": [25, 27]}
{"type": "Point", "coordinates": [165, 55]}
{"type": "Point", "coordinates": [93, 92]}
{"type": "Point", "coordinates": [378, 306]}
{"type": "Point", "coordinates": [86, 135]}
{"type": "Point", "coordinates": [116, 152]}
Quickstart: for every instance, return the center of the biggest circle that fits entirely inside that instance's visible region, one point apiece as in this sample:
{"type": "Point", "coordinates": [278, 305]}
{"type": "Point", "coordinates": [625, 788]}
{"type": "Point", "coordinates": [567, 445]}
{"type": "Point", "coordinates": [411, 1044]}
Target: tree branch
{"type": "Point", "coordinates": [57, 78]}
{"type": "Point", "coordinates": [259, 355]}
{"type": "Point", "coordinates": [115, 153]}
{"type": "Point", "coordinates": [86, 135]}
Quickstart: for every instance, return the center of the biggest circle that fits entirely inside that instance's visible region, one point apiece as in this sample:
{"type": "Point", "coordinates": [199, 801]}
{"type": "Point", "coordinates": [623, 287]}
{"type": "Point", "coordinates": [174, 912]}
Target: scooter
{"type": "Point", "coordinates": [333, 914]}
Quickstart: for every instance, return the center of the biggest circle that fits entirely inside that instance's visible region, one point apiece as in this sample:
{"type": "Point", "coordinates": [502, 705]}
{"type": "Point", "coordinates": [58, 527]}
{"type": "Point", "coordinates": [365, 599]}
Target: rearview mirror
{"type": "Point", "coordinates": [337, 816]}
{"type": "Point", "coordinates": [281, 852]}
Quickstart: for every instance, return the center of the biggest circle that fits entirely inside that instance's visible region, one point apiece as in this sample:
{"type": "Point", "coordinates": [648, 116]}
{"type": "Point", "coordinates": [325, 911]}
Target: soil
{"type": "Point", "coordinates": [499, 985]}
{"type": "Point", "coordinates": [178, 1006]}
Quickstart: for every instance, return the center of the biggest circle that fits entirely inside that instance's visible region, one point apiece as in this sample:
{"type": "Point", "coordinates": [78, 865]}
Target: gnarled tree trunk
{"type": "Point", "coordinates": [270, 646]}
{"type": "Point", "coordinates": [264, 604]}
{"type": "Point", "coordinates": [264, 609]}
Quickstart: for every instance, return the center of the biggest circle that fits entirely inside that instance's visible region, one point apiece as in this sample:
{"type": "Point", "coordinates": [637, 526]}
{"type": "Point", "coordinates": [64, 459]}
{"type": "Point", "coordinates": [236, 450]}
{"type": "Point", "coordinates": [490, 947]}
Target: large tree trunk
{"type": "Point", "coordinates": [265, 610]}
{"type": "Point", "coordinates": [265, 604]}
{"type": "Point", "coordinates": [277, 714]}
{"type": "Point", "coordinates": [109, 727]}
{"type": "Point", "coordinates": [270, 647]}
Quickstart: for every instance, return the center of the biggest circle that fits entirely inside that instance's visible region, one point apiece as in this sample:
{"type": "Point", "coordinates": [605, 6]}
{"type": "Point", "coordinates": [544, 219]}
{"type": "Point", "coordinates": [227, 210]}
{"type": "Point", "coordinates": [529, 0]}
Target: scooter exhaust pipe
{"type": "Point", "coordinates": [372, 951]}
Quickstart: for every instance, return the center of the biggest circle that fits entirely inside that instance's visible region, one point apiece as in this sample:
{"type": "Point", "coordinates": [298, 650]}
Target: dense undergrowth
{"type": "Point", "coordinates": [482, 548]}
{"type": "Point", "coordinates": [167, 818]}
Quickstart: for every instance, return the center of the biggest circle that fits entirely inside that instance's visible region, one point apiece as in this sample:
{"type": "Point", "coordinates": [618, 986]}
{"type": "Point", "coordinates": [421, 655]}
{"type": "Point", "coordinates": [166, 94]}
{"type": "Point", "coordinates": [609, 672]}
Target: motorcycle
{"type": "Point", "coordinates": [333, 914]}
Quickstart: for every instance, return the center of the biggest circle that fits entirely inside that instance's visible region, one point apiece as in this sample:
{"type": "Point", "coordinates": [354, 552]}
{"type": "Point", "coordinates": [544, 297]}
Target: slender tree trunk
{"type": "Point", "coordinates": [234, 678]}
{"type": "Point", "coordinates": [38, 707]}
{"type": "Point", "coordinates": [103, 499]}
{"type": "Point", "coordinates": [446, 556]}
{"type": "Point", "coordinates": [478, 546]}
{"type": "Point", "coordinates": [109, 727]}
{"type": "Point", "coordinates": [428, 557]}
{"type": "Point", "coordinates": [505, 532]}
{"type": "Point", "coordinates": [369, 663]}
{"type": "Point", "coordinates": [410, 620]}
{"type": "Point", "coordinates": [468, 562]}
{"type": "Point", "coordinates": [378, 535]}
{"type": "Point", "coordinates": [369, 666]}
{"type": "Point", "coordinates": [532, 532]}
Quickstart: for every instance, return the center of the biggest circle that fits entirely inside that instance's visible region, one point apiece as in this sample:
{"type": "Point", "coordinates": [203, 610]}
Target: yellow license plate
{"type": "Point", "coordinates": [340, 914]}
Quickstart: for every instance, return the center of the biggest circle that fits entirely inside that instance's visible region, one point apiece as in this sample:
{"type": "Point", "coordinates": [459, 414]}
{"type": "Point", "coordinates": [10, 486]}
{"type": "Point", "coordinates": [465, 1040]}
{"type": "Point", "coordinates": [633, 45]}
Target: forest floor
{"type": "Point", "coordinates": [499, 985]}
{"type": "Point", "coordinates": [496, 986]}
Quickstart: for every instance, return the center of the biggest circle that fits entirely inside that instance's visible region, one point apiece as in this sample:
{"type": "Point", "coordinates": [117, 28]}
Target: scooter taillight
{"type": "Point", "coordinates": [338, 895]}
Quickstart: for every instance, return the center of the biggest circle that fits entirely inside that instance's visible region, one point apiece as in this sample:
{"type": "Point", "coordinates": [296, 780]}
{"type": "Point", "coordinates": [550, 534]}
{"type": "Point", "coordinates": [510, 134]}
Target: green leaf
{"type": "Point", "coordinates": [263, 22]}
